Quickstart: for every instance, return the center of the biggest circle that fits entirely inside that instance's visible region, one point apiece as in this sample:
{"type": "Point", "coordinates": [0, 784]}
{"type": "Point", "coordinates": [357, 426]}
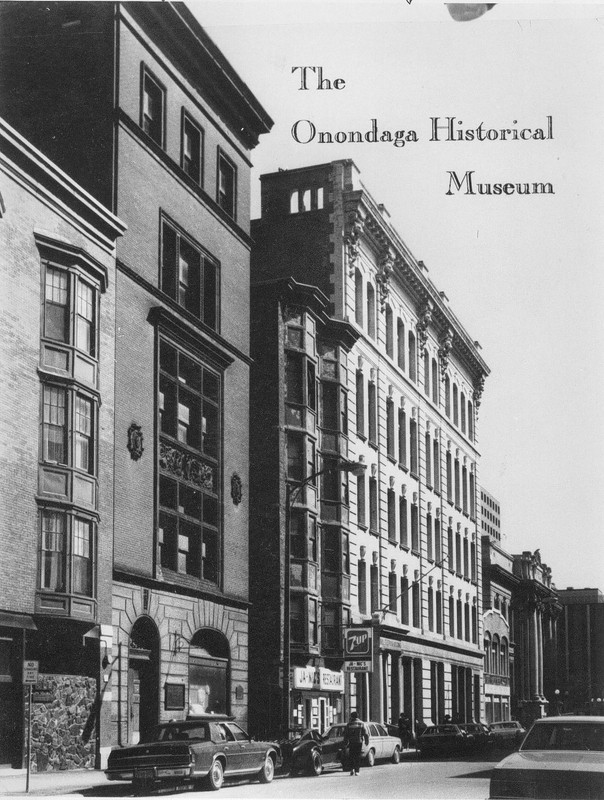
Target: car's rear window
{"type": "Point", "coordinates": [181, 733]}
{"type": "Point", "coordinates": [571, 736]}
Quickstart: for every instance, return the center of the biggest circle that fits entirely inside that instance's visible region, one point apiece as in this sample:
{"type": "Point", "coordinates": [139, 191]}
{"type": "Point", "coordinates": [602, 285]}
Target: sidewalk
{"type": "Point", "coordinates": [12, 781]}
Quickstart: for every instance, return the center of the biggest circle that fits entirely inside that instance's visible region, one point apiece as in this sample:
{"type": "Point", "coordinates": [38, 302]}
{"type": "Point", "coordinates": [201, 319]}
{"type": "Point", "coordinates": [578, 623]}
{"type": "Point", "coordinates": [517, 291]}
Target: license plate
{"type": "Point", "coordinates": [145, 774]}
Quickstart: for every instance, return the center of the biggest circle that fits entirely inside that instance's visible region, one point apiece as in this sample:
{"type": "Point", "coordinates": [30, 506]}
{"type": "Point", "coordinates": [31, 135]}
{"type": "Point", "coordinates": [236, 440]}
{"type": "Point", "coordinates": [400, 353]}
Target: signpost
{"type": "Point", "coordinates": [30, 678]}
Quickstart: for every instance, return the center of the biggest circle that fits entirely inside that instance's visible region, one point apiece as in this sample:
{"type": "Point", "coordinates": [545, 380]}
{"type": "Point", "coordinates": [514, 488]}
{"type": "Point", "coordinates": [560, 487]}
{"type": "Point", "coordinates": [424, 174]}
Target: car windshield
{"type": "Point", "coordinates": [334, 732]}
{"type": "Point", "coordinates": [180, 733]}
{"type": "Point", "coordinates": [560, 736]}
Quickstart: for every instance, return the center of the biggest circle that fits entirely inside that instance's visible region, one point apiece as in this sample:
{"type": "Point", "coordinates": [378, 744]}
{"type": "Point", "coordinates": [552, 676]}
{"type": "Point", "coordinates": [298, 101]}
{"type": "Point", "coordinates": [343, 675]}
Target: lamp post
{"type": "Point", "coordinates": [292, 492]}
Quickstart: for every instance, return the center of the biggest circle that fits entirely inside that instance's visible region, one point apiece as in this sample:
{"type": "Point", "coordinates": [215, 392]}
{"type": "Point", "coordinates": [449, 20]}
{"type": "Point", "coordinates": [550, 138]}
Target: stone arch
{"type": "Point", "coordinates": [209, 672]}
{"type": "Point", "coordinates": [143, 678]}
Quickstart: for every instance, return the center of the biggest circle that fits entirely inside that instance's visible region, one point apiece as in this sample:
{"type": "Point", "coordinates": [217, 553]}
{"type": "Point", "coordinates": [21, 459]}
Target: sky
{"type": "Point", "coordinates": [522, 272]}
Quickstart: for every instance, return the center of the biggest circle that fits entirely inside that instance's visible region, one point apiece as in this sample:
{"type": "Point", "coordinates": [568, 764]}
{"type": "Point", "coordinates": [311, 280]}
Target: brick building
{"type": "Point", "coordinates": [392, 554]}
{"type": "Point", "coordinates": [143, 110]}
{"type": "Point", "coordinates": [57, 348]}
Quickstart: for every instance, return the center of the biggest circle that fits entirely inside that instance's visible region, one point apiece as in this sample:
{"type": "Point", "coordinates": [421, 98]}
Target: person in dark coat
{"type": "Point", "coordinates": [355, 736]}
{"type": "Point", "coordinates": [404, 729]}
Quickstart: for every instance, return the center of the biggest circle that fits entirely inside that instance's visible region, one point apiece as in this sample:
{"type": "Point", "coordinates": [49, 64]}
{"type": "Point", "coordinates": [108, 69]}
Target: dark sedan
{"type": "Point", "coordinates": [310, 751]}
{"type": "Point", "coordinates": [203, 750]}
{"type": "Point", "coordinates": [478, 736]}
{"type": "Point", "coordinates": [441, 739]}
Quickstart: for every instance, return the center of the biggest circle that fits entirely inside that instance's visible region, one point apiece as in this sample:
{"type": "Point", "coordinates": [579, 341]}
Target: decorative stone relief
{"type": "Point", "coordinates": [135, 441]}
{"type": "Point", "coordinates": [444, 351]}
{"type": "Point", "coordinates": [355, 225]}
{"type": "Point", "coordinates": [385, 270]}
{"type": "Point", "coordinates": [478, 389]}
{"type": "Point", "coordinates": [186, 466]}
{"type": "Point", "coordinates": [424, 320]}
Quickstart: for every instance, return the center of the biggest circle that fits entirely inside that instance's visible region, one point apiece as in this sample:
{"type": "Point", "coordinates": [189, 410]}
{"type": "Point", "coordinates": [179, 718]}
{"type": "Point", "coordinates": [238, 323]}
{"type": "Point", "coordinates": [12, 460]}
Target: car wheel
{"type": "Point", "coordinates": [215, 777]}
{"type": "Point", "coordinates": [267, 773]}
{"type": "Point", "coordinates": [316, 763]}
{"type": "Point", "coordinates": [370, 758]}
{"type": "Point", "coordinates": [396, 756]}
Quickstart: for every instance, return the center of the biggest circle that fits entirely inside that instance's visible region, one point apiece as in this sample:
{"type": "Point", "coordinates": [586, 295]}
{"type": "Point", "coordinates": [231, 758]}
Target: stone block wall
{"type": "Point", "coordinates": [63, 734]}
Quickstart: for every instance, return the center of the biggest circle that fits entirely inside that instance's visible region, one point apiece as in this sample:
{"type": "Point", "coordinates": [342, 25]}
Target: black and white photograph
{"type": "Point", "coordinates": [300, 368]}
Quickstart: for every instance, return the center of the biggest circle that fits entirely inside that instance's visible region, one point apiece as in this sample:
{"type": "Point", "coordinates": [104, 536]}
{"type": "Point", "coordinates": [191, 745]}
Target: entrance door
{"type": "Point", "coordinates": [323, 714]}
{"type": "Point", "coordinates": [134, 703]}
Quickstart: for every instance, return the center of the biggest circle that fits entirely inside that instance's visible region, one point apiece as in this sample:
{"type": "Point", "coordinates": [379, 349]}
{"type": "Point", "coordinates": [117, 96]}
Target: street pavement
{"type": "Point", "coordinates": [412, 779]}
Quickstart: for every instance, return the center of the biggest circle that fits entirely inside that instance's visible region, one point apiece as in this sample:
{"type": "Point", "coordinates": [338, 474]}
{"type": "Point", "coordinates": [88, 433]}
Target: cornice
{"type": "Point", "coordinates": [363, 217]}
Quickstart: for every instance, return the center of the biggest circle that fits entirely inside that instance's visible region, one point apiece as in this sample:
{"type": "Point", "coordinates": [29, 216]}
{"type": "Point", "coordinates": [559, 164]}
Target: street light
{"type": "Point", "coordinates": [291, 495]}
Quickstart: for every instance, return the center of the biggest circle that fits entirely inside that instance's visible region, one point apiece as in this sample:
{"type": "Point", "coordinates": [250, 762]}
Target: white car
{"type": "Point", "coordinates": [381, 745]}
{"type": "Point", "coordinates": [560, 758]}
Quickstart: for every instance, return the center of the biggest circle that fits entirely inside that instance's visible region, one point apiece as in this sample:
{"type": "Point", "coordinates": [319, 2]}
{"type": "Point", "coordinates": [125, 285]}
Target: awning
{"type": "Point", "coordinates": [10, 620]}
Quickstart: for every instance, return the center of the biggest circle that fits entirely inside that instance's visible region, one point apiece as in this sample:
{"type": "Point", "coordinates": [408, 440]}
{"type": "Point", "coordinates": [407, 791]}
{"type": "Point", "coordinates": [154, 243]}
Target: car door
{"type": "Point", "coordinates": [375, 740]}
{"type": "Point", "coordinates": [232, 749]}
{"type": "Point", "coordinates": [250, 753]}
{"type": "Point", "coordinates": [332, 743]}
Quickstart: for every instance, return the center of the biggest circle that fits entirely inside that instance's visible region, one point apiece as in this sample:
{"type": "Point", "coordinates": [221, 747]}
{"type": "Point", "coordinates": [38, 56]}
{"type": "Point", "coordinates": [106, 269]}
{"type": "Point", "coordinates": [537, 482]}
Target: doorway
{"type": "Point", "coordinates": [143, 680]}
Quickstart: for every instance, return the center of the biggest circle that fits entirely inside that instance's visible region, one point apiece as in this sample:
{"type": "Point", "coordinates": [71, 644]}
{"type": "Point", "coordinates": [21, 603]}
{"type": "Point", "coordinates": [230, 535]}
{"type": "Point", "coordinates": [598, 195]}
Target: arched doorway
{"type": "Point", "coordinates": [143, 679]}
{"type": "Point", "coordinates": [209, 673]}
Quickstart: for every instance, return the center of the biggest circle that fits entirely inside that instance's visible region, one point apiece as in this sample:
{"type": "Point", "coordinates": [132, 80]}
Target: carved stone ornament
{"type": "Point", "coordinates": [478, 389]}
{"type": "Point", "coordinates": [424, 320]}
{"type": "Point", "coordinates": [186, 466]}
{"type": "Point", "coordinates": [444, 351]}
{"type": "Point", "coordinates": [135, 441]}
{"type": "Point", "coordinates": [355, 226]}
{"type": "Point", "coordinates": [236, 489]}
{"type": "Point", "coordinates": [385, 270]}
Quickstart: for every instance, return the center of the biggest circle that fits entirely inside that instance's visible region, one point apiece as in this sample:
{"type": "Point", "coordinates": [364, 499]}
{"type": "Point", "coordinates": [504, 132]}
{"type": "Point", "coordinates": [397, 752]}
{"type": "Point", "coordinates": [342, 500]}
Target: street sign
{"type": "Point", "coordinates": [357, 666]}
{"type": "Point", "coordinates": [30, 672]}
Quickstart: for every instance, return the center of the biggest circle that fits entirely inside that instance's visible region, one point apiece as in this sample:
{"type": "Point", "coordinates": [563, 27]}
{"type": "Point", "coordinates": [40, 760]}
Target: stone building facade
{"type": "Point", "coordinates": [144, 110]}
{"type": "Point", "coordinates": [405, 535]}
{"type": "Point", "coordinates": [57, 348]}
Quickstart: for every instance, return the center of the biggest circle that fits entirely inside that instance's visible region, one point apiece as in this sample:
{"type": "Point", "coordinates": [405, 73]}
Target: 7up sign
{"type": "Point", "coordinates": [358, 644]}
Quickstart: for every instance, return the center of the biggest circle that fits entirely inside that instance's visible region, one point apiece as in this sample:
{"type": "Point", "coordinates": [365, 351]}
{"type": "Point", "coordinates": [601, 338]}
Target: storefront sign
{"type": "Point", "coordinates": [358, 666]}
{"type": "Point", "coordinates": [323, 680]}
{"type": "Point", "coordinates": [357, 642]}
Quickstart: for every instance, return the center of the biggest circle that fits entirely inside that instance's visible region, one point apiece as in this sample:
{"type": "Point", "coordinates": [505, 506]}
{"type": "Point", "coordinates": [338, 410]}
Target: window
{"type": "Point", "coordinates": [405, 601]}
{"type": "Point", "coordinates": [457, 481]}
{"type": "Point", "coordinates": [372, 410]}
{"type": "Point", "coordinates": [310, 199]}
{"type": "Point", "coordinates": [189, 276]}
{"type": "Point", "coordinates": [462, 407]}
{"type": "Point", "coordinates": [192, 149]}
{"type": "Point", "coordinates": [389, 332]}
{"type": "Point", "coordinates": [472, 496]}
{"type": "Point", "coordinates": [458, 563]}
{"type": "Point", "coordinates": [414, 528]}
{"type": "Point", "coordinates": [67, 553]}
{"type": "Point", "coordinates": [392, 596]}
{"type": "Point", "coordinates": [402, 437]}
{"type": "Point", "coordinates": [455, 406]}
{"type": "Point", "coordinates": [360, 403]}
{"type": "Point", "coordinates": [449, 477]}
{"type": "Point", "coordinates": [437, 541]}
{"type": "Point", "coordinates": [439, 612]}
{"type": "Point", "coordinates": [466, 571]}
{"type": "Point", "coordinates": [373, 506]}
{"type": "Point", "coordinates": [375, 589]}
{"type": "Point", "coordinates": [435, 387]}
{"type": "Point", "coordinates": [426, 360]}
{"type": "Point", "coordinates": [470, 422]}
{"type": "Point", "coordinates": [358, 298]}
{"type": "Point", "coordinates": [152, 108]}
{"type": "Point", "coordinates": [413, 445]}
{"type": "Point", "coordinates": [428, 454]}
{"type": "Point", "coordinates": [430, 608]}
{"type": "Point", "coordinates": [412, 358]}
{"type": "Point", "coordinates": [391, 515]}
{"type": "Point", "coordinates": [66, 292]}
{"type": "Point", "coordinates": [361, 512]}
{"type": "Point", "coordinates": [429, 540]}
{"type": "Point", "coordinates": [416, 605]}
{"type": "Point", "coordinates": [464, 488]}
{"type": "Point", "coordinates": [447, 396]}
{"type": "Point", "coordinates": [189, 423]}
{"type": "Point", "coordinates": [400, 343]}
{"type": "Point", "coordinates": [459, 620]}
{"type": "Point", "coordinates": [68, 427]}
{"type": "Point", "coordinates": [404, 535]}
{"type": "Point", "coordinates": [450, 551]}
{"type": "Point", "coordinates": [371, 310]}
{"type": "Point", "coordinates": [451, 616]}
{"type": "Point", "coordinates": [436, 460]}
{"type": "Point", "coordinates": [362, 569]}
{"type": "Point", "coordinates": [390, 446]}
{"type": "Point", "coordinates": [226, 189]}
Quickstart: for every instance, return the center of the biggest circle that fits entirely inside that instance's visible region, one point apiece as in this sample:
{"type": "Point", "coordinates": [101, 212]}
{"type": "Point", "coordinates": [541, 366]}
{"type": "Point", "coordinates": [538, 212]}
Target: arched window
{"type": "Point", "coordinates": [462, 406]}
{"type": "Point", "coordinates": [435, 386]}
{"type": "Point", "coordinates": [400, 343]}
{"type": "Point", "coordinates": [455, 406]}
{"type": "Point", "coordinates": [358, 297]}
{"type": "Point", "coordinates": [487, 652]}
{"type": "Point", "coordinates": [371, 311]}
{"type": "Point", "coordinates": [209, 673]}
{"type": "Point", "coordinates": [426, 359]}
{"type": "Point", "coordinates": [412, 357]}
{"type": "Point", "coordinates": [389, 332]}
{"type": "Point", "coordinates": [504, 657]}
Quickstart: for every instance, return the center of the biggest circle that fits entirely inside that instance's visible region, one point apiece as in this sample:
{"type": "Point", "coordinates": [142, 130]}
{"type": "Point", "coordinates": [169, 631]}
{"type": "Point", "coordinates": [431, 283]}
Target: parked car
{"type": "Point", "coordinates": [560, 757]}
{"type": "Point", "coordinates": [507, 734]}
{"type": "Point", "coordinates": [204, 750]}
{"type": "Point", "coordinates": [310, 751]}
{"type": "Point", "coordinates": [478, 736]}
{"type": "Point", "coordinates": [441, 739]}
{"type": "Point", "coordinates": [382, 745]}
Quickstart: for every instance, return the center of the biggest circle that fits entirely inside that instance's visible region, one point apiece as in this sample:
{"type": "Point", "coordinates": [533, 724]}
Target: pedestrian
{"type": "Point", "coordinates": [355, 736]}
{"type": "Point", "coordinates": [404, 730]}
